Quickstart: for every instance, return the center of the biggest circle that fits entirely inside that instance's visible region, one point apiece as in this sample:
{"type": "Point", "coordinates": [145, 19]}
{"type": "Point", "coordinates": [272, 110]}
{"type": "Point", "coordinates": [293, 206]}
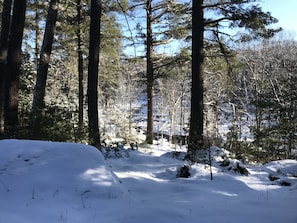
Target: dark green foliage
{"type": "Point", "coordinates": [261, 85]}
{"type": "Point", "coordinates": [278, 102]}
{"type": "Point", "coordinates": [116, 152]}
{"type": "Point", "coordinates": [264, 99]}
{"type": "Point", "coordinates": [54, 124]}
{"type": "Point", "coordinates": [183, 172]}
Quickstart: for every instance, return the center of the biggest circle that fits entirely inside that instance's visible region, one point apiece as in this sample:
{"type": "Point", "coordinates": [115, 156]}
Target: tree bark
{"type": "Point", "coordinates": [150, 75]}
{"type": "Point", "coordinates": [45, 53]}
{"type": "Point", "coordinates": [196, 120]}
{"type": "Point", "coordinates": [80, 68]}
{"type": "Point", "coordinates": [93, 69]}
{"type": "Point", "coordinates": [3, 57]}
{"type": "Point", "coordinates": [37, 33]}
{"type": "Point", "coordinates": [12, 71]}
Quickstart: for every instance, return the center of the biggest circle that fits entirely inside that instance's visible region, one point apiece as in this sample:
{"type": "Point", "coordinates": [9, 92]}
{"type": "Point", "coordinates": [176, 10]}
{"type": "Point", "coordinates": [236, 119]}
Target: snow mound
{"type": "Point", "coordinates": [65, 182]}
{"type": "Point", "coordinates": [51, 179]}
{"type": "Point", "coordinates": [283, 172]}
{"type": "Point", "coordinates": [286, 167]}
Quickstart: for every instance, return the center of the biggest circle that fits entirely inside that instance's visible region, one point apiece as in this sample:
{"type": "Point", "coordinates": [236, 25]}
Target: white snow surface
{"type": "Point", "coordinates": [52, 182]}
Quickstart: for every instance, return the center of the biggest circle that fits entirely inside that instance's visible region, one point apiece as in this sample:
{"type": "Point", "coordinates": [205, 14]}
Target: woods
{"type": "Point", "coordinates": [155, 69]}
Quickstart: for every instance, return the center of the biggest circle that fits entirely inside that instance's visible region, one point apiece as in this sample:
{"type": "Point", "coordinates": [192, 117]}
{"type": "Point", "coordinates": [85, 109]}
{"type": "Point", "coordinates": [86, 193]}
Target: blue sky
{"type": "Point", "coordinates": [284, 11]}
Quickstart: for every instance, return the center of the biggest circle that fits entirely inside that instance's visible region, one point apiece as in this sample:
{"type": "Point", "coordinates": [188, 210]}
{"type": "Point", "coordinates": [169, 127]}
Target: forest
{"type": "Point", "coordinates": [128, 72]}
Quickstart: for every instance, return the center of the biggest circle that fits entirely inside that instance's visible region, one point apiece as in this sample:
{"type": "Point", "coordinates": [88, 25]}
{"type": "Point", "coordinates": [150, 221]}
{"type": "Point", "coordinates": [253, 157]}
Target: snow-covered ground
{"type": "Point", "coordinates": [65, 182]}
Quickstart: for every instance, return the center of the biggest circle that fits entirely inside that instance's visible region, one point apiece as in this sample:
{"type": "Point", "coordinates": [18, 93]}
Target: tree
{"type": "Point", "coordinates": [93, 67]}
{"type": "Point", "coordinates": [237, 14]}
{"type": "Point", "coordinates": [80, 66]}
{"type": "Point", "coordinates": [110, 50]}
{"type": "Point", "coordinates": [13, 67]}
{"type": "Point", "coordinates": [36, 14]}
{"type": "Point", "coordinates": [72, 43]}
{"type": "Point", "coordinates": [172, 94]}
{"type": "Point", "coordinates": [42, 71]}
{"type": "Point", "coordinates": [149, 73]}
{"type": "Point", "coordinates": [196, 119]}
{"type": "Point", "coordinates": [3, 57]}
{"type": "Point", "coordinates": [131, 86]}
{"type": "Point", "coordinates": [269, 68]}
{"type": "Point", "coordinates": [164, 23]}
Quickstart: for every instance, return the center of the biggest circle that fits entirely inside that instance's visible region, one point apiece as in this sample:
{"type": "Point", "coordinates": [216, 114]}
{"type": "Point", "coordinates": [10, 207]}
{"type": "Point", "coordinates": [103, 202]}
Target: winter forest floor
{"type": "Point", "coordinates": [66, 182]}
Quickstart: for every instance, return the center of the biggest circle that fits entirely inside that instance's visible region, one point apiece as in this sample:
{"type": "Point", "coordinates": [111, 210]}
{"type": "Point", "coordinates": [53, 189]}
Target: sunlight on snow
{"type": "Point", "coordinates": [138, 176]}
{"type": "Point", "coordinates": [257, 184]}
{"type": "Point", "coordinates": [225, 193]}
{"type": "Point", "coordinates": [99, 176]}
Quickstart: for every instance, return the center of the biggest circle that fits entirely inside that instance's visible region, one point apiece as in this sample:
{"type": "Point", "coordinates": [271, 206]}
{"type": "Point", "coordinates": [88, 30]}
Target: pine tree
{"type": "Point", "coordinates": [238, 14]}
{"type": "Point", "coordinates": [13, 68]}
{"type": "Point", "coordinates": [197, 116]}
{"type": "Point", "coordinates": [164, 23]}
{"type": "Point", "coordinates": [94, 136]}
{"type": "Point", "coordinates": [42, 71]}
{"type": "Point", "coordinates": [149, 73]}
{"type": "Point", "coordinates": [7, 4]}
{"type": "Point", "coordinates": [80, 65]}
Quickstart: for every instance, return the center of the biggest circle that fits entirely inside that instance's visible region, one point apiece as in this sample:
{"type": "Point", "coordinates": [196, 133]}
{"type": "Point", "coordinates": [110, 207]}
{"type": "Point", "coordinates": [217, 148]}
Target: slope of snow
{"type": "Point", "coordinates": [53, 182]}
{"type": "Point", "coordinates": [65, 182]}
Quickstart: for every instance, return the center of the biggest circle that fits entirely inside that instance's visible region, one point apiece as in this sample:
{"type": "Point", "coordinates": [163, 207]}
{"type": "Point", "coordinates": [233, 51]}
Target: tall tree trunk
{"type": "Point", "coordinates": [196, 120]}
{"type": "Point", "coordinates": [150, 75]}
{"type": "Point", "coordinates": [37, 33]}
{"type": "Point", "coordinates": [3, 57]}
{"type": "Point", "coordinates": [80, 68]}
{"type": "Point", "coordinates": [13, 65]}
{"type": "Point", "coordinates": [42, 71]}
{"type": "Point", "coordinates": [93, 69]}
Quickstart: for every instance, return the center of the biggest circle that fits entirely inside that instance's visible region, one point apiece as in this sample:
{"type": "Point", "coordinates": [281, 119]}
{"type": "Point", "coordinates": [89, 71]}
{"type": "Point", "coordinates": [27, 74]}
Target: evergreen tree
{"type": "Point", "coordinates": [270, 67]}
{"type": "Point", "coordinates": [42, 72]}
{"type": "Point", "coordinates": [197, 116]}
{"type": "Point", "coordinates": [94, 136]}
{"type": "Point", "coordinates": [80, 65]}
{"type": "Point", "coordinates": [13, 68]}
{"type": "Point", "coordinates": [164, 23]}
{"type": "Point", "coordinates": [237, 14]}
{"type": "Point", "coordinates": [36, 14]}
{"type": "Point", "coordinates": [7, 4]}
{"type": "Point", "coordinates": [149, 72]}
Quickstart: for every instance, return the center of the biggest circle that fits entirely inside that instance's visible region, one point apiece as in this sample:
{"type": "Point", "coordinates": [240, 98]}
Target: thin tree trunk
{"type": "Point", "coordinates": [37, 33]}
{"type": "Point", "coordinates": [3, 57]}
{"type": "Point", "coordinates": [182, 113]}
{"type": "Point", "coordinates": [150, 75]}
{"type": "Point", "coordinates": [196, 119]}
{"type": "Point", "coordinates": [93, 69]}
{"type": "Point", "coordinates": [130, 107]}
{"type": "Point", "coordinates": [13, 67]}
{"type": "Point", "coordinates": [45, 53]}
{"type": "Point", "coordinates": [42, 70]}
{"type": "Point", "coordinates": [80, 68]}
{"type": "Point", "coordinates": [172, 124]}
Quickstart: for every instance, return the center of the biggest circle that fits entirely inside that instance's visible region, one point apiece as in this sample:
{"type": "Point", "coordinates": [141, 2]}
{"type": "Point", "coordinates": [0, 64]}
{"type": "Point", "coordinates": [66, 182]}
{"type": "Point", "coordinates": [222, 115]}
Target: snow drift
{"type": "Point", "coordinates": [49, 181]}
{"type": "Point", "coordinates": [65, 182]}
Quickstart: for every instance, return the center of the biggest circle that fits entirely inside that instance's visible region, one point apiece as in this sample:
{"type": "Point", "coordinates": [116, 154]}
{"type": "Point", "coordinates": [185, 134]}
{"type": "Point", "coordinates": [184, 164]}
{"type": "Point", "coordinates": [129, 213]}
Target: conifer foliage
{"type": "Point", "coordinates": [42, 70]}
{"type": "Point", "coordinates": [237, 14]}
{"type": "Point", "coordinates": [67, 74]}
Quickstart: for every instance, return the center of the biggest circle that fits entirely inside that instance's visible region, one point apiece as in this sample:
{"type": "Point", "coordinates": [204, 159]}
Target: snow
{"type": "Point", "coordinates": [66, 182]}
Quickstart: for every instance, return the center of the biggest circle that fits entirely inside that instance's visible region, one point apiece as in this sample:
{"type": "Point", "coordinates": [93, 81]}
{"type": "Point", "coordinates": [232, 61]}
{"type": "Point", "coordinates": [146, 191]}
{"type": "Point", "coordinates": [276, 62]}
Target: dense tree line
{"type": "Point", "coordinates": [189, 94]}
